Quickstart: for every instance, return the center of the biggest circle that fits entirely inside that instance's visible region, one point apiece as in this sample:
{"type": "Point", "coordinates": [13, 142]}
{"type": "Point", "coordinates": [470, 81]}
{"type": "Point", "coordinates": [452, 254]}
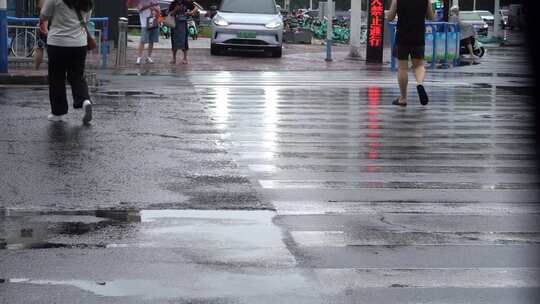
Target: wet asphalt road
{"type": "Point", "coordinates": [274, 187]}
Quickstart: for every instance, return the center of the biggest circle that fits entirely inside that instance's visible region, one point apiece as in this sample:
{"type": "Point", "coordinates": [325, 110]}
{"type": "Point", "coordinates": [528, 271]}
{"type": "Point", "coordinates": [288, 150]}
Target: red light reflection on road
{"type": "Point", "coordinates": [374, 98]}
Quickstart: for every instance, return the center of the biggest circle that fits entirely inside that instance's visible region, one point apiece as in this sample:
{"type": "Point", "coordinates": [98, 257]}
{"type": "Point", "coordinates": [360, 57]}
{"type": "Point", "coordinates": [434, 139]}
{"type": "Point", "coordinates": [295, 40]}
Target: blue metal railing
{"type": "Point", "coordinates": [104, 38]}
{"type": "Point", "coordinates": [447, 31]}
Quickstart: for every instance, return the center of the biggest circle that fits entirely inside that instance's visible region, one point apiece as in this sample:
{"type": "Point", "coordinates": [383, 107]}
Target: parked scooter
{"type": "Point", "coordinates": [478, 48]}
{"type": "Point", "coordinates": [192, 29]}
{"type": "Point", "coordinates": [165, 30]}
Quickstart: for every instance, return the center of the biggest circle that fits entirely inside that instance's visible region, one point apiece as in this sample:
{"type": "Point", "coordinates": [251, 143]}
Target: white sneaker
{"type": "Point", "coordinates": [53, 117]}
{"type": "Point", "coordinates": [149, 60]}
{"type": "Point", "coordinates": [87, 108]}
{"type": "Point", "coordinates": [139, 60]}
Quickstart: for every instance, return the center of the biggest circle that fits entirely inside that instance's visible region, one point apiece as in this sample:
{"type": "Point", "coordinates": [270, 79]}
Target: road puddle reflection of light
{"type": "Point", "coordinates": [270, 120]}
{"type": "Point", "coordinates": [222, 106]}
{"type": "Point", "coordinates": [374, 97]}
{"type": "Point", "coordinates": [223, 77]}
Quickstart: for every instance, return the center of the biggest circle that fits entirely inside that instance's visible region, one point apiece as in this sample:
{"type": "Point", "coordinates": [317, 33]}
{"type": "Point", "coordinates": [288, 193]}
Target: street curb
{"type": "Point", "coordinates": [10, 79]}
{"type": "Point", "coordinates": [33, 80]}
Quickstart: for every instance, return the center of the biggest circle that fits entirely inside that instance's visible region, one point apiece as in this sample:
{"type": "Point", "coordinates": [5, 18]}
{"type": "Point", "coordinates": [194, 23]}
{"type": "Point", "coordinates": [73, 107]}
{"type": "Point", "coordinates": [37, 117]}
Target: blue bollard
{"type": "Point", "coordinates": [3, 37]}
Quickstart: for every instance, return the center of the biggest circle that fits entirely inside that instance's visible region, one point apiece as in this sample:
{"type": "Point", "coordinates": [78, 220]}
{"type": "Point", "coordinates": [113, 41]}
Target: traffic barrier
{"type": "Point", "coordinates": [441, 43]}
{"type": "Point", "coordinates": [101, 35]}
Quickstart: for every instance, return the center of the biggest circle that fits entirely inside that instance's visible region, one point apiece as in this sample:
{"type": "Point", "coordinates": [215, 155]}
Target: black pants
{"type": "Point", "coordinates": [66, 62]}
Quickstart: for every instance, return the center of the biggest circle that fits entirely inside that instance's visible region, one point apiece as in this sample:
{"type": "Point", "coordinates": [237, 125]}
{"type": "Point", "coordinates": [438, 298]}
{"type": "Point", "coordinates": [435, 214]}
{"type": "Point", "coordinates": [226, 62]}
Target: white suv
{"type": "Point", "coordinates": [247, 25]}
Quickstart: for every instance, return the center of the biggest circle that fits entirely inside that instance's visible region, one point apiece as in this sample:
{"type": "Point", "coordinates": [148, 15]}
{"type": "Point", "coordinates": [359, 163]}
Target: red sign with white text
{"type": "Point", "coordinates": [375, 31]}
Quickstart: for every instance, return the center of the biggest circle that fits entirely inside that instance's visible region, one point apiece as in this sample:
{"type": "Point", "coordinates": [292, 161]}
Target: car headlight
{"type": "Point", "coordinates": [486, 26]}
{"type": "Point", "coordinates": [220, 21]}
{"type": "Point", "coordinates": [274, 24]}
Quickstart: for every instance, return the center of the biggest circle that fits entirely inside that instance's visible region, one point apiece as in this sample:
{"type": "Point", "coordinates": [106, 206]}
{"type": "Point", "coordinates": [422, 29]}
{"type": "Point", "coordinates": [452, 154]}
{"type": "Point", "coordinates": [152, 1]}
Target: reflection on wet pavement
{"type": "Point", "coordinates": [372, 204]}
{"type": "Point", "coordinates": [36, 230]}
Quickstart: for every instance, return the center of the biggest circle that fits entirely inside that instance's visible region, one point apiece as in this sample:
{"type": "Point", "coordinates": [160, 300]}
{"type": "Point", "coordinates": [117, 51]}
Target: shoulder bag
{"type": "Point", "coordinates": [91, 42]}
{"type": "Point", "coordinates": [170, 21]}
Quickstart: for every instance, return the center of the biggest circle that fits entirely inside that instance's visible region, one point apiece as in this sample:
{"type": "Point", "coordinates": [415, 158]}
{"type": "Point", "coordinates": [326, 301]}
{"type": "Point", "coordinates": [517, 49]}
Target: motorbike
{"type": "Point", "coordinates": [478, 48]}
{"type": "Point", "coordinates": [192, 29]}
{"type": "Point", "coordinates": [164, 30]}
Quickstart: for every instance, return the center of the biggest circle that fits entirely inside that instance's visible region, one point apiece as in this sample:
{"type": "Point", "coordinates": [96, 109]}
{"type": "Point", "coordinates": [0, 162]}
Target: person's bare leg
{"type": "Point", "coordinates": [420, 74]}
{"type": "Point", "coordinates": [403, 79]}
{"type": "Point", "coordinates": [471, 52]}
{"type": "Point", "coordinates": [470, 48]}
{"type": "Point", "coordinates": [38, 60]}
{"type": "Point", "coordinates": [184, 58]}
{"type": "Point", "coordinates": [141, 49]}
{"type": "Point", "coordinates": [174, 51]}
{"type": "Point", "coordinates": [419, 71]}
{"type": "Point", "coordinates": [150, 49]}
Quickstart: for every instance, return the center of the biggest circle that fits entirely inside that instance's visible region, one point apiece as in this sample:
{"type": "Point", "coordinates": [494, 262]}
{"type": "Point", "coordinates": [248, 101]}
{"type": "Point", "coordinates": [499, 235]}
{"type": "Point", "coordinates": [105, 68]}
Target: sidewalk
{"type": "Point", "coordinates": [295, 58]}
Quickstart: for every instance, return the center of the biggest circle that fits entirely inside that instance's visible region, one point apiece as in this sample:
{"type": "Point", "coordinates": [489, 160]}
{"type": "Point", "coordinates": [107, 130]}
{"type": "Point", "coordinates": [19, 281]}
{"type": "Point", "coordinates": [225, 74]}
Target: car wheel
{"type": "Point", "coordinates": [277, 52]}
{"type": "Point", "coordinates": [215, 50]}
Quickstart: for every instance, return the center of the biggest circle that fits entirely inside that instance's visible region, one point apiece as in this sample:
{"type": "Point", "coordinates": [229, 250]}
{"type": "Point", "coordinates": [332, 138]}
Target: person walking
{"type": "Point", "coordinates": [181, 10]}
{"type": "Point", "coordinates": [148, 11]}
{"type": "Point", "coordinates": [67, 46]}
{"type": "Point", "coordinates": [410, 42]}
{"type": "Point", "coordinates": [466, 31]}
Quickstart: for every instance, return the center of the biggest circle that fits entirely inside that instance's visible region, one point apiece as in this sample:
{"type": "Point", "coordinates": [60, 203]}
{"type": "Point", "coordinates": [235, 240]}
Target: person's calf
{"type": "Point", "coordinates": [403, 81]}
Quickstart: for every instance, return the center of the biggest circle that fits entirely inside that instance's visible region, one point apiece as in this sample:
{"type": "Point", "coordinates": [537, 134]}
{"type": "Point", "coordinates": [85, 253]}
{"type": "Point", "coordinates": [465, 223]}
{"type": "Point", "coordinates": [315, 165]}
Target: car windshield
{"type": "Point", "coordinates": [248, 6]}
{"type": "Point", "coordinates": [485, 14]}
{"type": "Point", "coordinates": [469, 16]}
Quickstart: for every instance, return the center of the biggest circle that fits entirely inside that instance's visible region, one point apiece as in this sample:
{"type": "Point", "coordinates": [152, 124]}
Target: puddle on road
{"type": "Point", "coordinates": [227, 253]}
{"type": "Point", "coordinates": [144, 94]}
{"type": "Point", "coordinates": [33, 230]}
{"type": "Point", "coordinates": [139, 228]}
{"type": "Point", "coordinates": [230, 285]}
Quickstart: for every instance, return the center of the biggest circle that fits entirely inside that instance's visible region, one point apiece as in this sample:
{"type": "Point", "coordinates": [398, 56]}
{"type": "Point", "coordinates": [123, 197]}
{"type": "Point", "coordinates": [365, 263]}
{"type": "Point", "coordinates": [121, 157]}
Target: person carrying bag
{"type": "Point", "coordinates": [148, 12]}
{"type": "Point", "coordinates": [67, 46]}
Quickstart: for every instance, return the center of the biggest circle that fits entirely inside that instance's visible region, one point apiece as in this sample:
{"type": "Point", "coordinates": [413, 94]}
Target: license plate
{"type": "Point", "coordinates": [247, 35]}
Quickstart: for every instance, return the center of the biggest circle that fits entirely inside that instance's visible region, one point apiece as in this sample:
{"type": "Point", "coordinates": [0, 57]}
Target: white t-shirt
{"type": "Point", "coordinates": [143, 15]}
{"type": "Point", "coordinates": [466, 30]}
{"type": "Point", "coordinates": [65, 29]}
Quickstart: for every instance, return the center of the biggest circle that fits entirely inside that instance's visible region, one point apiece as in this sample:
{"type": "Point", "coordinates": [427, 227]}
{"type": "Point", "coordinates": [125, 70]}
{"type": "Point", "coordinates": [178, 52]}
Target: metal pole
{"type": "Point", "coordinates": [356, 28]}
{"type": "Point", "coordinates": [121, 45]}
{"type": "Point", "coordinates": [497, 19]}
{"type": "Point", "coordinates": [329, 31]}
{"type": "Point", "coordinates": [474, 5]}
{"type": "Point", "coordinates": [3, 37]}
{"type": "Point", "coordinates": [105, 46]}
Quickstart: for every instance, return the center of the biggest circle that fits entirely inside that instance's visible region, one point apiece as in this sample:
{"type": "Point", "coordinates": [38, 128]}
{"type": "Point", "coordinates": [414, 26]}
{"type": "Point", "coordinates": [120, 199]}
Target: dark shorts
{"type": "Point", "coordinates": [404, 52]}
{"type": "Point", "coordinates": [467, 41]}
{"type": "Point", "coordinates": [41, 40]}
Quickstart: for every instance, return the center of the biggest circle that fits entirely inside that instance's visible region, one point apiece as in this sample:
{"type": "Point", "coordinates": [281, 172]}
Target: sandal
{"type": "Point", "coordinates": [397, 103]}
{"type": "Point", "coordinates": [424, 99]}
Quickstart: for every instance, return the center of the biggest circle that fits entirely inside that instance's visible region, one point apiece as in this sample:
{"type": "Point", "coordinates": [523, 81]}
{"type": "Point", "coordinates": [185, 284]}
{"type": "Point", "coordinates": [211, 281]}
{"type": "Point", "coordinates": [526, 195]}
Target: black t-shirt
{"type": "Point", "coordinates": [411, 25]}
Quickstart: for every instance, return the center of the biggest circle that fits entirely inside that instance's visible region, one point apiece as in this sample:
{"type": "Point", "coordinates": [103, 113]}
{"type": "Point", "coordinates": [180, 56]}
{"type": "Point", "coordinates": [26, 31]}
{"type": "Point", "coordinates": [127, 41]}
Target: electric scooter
{"type": "Point", "coordinates": [192, 29]}
{"type": "Point", "coordinates": [478, 48]}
